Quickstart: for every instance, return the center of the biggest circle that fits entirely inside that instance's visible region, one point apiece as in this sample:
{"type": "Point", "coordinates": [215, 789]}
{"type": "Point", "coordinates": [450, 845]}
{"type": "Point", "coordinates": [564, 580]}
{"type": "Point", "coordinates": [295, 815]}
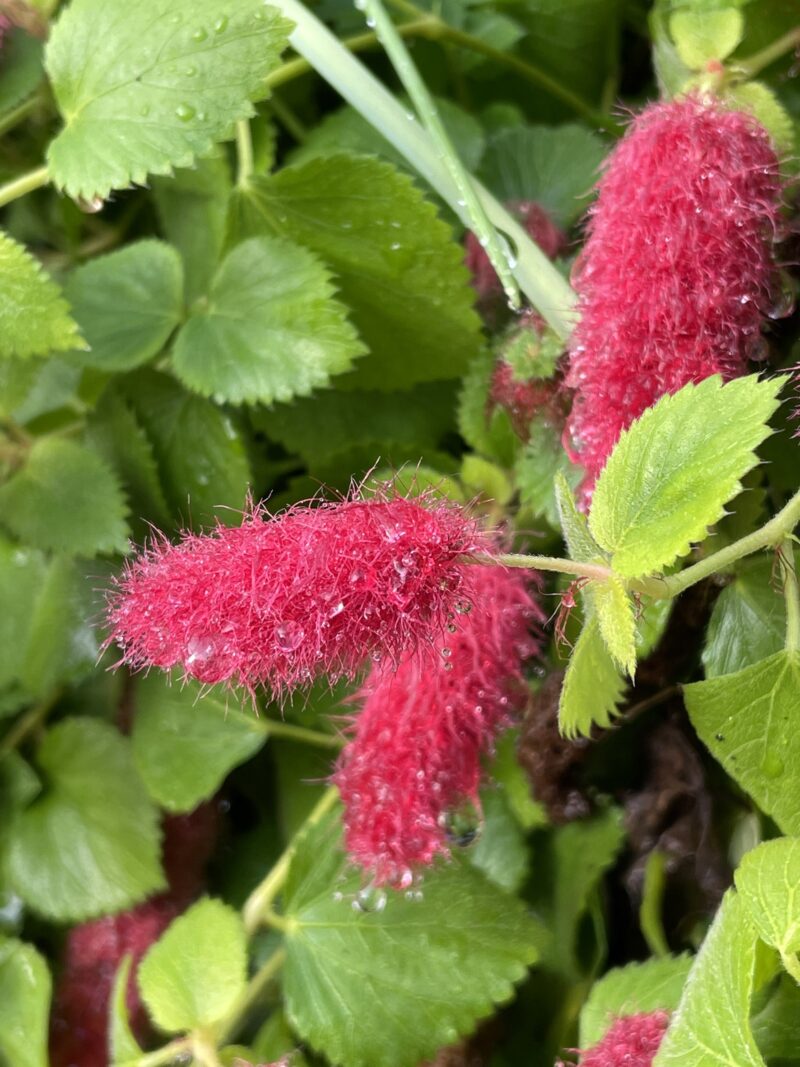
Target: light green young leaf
{"type": "Point", "coordinates": [674, 469]}
{"type": "Point", "coordinates": [655, 985]}
{"type": "Point", "coordinates": [764, 104]}
{"type": "Point", "coordinates": [701, 36]}
{"type": "Point", "coordinates": [96, 809]}
{"type": "Point", "coordinates": [614, 610]}
{"type": "Point", "coordinates": [127, 304]}
{"type": "Point", "coordinates": [384, 967]}
{"type": "Point", "coordinates": [271, 330]}
{"type": "Point", "coordinates": [192, 208]}
{"type": "Point", "coordinates": [396, 264]}
{"type": "Point", "coordinates": [184, 744]}
{"type": "Point", "coordinates": [748, 622]}
{"type": "Point", "coordinates": [574, 527]}
{"type": "Point", "coordinates": [65, 498]}
{"type": "Point", "coordinates": [146, 87]}
{"type": "Point", "coordinates": [197, 969]}
{"type": "Point", "coordinates": [593, 688]}
{"type": "Point", "coordinates": [711, 1027]}
{"type": "Point", "coordinates": [122, 1045]}
{"type": "Point", "coordinates": [201, 456]}
{"type": "Point", "coordinates": [768, 881]}
{"type": "Point", "coordinates": [483, 479]}
{"type": "Point", "coordinates": [749, 722]}
{"type": "Point", "coordinates": [34, 317]}
{"type": "Point", "coordinates": [556, 166]}
{"type": "Point", "coordinates": [24, 1005]}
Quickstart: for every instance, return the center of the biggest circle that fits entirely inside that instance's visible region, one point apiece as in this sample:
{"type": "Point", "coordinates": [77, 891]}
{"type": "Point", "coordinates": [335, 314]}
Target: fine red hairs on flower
{"type": "Point", "coordinates": [282, 599]}
{"type": "Point", "coordinates": [417, 743]}
{"type": "Point", "coordinates": [632, 1041]}
{"type": "Point", "coordinates": [536, 223]}
{"type": "Point", "coordinates": [94, 950]}
{"type": "Point", "coordinates": [677, 272]}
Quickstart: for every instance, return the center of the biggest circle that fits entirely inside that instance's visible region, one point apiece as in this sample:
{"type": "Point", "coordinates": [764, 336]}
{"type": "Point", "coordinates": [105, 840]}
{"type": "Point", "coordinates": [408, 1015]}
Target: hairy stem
{"type": "Point", "coordinates": [538, 279]}
{"type": "Point", "coordinates": [426, 109]}
{"type": "Point", "coordinates": [227, 1027]}
{"type": "Point", "coordinates": [791, 594]}
{"type": "Point", "coordinates": [161, 1057]}
{"type": "Point", "coordinates": [543, 563]}
{"type": "Point", "coordinates": [13, 190]}
{"type": "Point", "coordinates": [260, 900]}
{"type": "Point", "coordinates": [19, 113]}
{"type": "Point", "coordinates": [27, 723]}
{"type": "Point", "coordinates": [752, 65]}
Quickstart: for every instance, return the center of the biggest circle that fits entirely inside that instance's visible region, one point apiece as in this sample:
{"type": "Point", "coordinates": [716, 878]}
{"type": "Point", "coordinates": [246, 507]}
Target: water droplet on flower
{"type": "Point", "coordinates": [772, 766]}
{"type": "Point", "coordinates": [370, 900]}
{"type": "Point", "coordinates": [185, 112]}
{"type": "Point", "coordinates": [405, 879]}
{"type": "Point", "coordinates": [289, 636]}
{"type": "Point", "coordinates": [782, 304]}
{"type": "Point", "coordinates": [451, 628]}
{"type": "Point", "coordinates": [221, 25]}
{"type": "Point", "coordinates": [462, 825]}
{"type": "Point", "coordinates": [463, 607]}
{"type": "Point", "coordinates": [447, 652]}
{"type": "Point", "coordinates": [337, 609]}
{"type": "Point", "coordinates": [758, 349]}
{"type": "Point", "coordinates": [200, 650]}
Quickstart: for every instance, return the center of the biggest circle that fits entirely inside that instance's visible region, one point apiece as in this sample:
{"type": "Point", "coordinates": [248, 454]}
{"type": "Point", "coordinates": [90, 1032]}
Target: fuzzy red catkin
{"type": "Point", "coordinates": [631, 1041]}
{"type": "Point", "coordinates": [536, 223]}
{"type": "Point", "coordinates": [677, 272]}
{"type": "Point", "coordinates": [94, 950]}
{"type": "Point", "coordinates": [280, 600]}
{"type": "Point", "coordinates": [417, 743]}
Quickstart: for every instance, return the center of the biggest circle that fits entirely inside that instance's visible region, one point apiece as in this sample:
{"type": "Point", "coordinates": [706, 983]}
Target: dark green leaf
{"type": "Point", "coordinates": [127, 304]}
{"type": "Point", "coordinates": [501, 851]}
{"type": "Point", "coordinates": [149, 86]}
{"type": "Point", "coordinates": [748, 621]}
{"type": "Point", "coordinates": [69, 482]}
{"type": "Point", "coordinates": [21, 71]}
{"type": "Point", "coordinates": [271, 329]}
{"type": "Point", "coordinates": [90, 843]}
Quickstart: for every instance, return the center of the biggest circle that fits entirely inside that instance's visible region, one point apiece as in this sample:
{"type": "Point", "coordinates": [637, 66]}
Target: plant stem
{"type": "Point", "coordinates": [537, 277]}
{"type": "Point", "coordinates": [35, 179]}
{"type": "Point", "coordinates": [27, 723]}
{"type": "Point", "coordinates": [427, 111]}
{"type": "Point", "coordinates": [791, 594]}
{"type": "Point", "coordinates": [770, 535]}
{"type": "Point", "coordinates": [21, 112]}
{"type": "Point", "coordinates": [162, 1056]}
{"type": "Point", "coordinates": [244, 152]}
{"type": "Point", "coordinates": [255, 987]}
{"type": "Point", "coordinates": [791, 964]}
{"type": "Point", "coordinates": [754, 64]}
{"type": "Point", "coordinates": [287, 730]}
{"type": "Point", "coordinates": [260, 900]}
{"type": "Point", "coordinates": [287, 117]}
{"type": "Point", "coordinates": [543, 563]}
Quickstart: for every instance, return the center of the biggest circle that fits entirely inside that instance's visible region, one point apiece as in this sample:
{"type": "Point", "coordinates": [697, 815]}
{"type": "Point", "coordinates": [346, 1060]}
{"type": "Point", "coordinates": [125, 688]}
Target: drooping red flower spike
{"type": "Point", "coordinates": [632, 1041]}
{"type": "Point", "coordinates": [677, 273]}
{"type": "Point", "coordinates": [415, 754]}
{"type": "Point", "coordinates": [94, 950]}
{"type": "Point", "coordinates": [282, 599]}
{"type": "Point", "coordinates": [536, 223]}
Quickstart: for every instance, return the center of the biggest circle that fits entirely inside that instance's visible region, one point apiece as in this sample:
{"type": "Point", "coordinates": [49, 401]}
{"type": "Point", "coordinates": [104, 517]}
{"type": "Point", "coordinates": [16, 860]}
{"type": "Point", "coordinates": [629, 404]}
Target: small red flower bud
{"type": "Point", "coordinates": [677, 273]}
{"type": "Point", "coordinates": [632, 1041]}
{"type": "Point", "coordinates": [417, 743]}
{"type": "Point", "coordinates": [536, 223]}
{"type": "Point", "coordinates": [280, 600]}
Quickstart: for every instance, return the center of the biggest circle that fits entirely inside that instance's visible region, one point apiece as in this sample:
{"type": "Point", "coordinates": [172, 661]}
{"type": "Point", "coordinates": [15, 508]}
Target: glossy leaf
{"type": "Point", "coordinates": [748, 622]}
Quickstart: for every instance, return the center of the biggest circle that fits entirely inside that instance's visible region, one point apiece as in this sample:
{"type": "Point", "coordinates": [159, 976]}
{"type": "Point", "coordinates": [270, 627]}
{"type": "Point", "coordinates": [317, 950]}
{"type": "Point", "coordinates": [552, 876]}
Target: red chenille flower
{"type": "Point", "coordinates": [282, 599]}
{"type": "Point", "coordinates": [677, 272]}
{"type": "Point", "coordinates": [632, 1041]}
{"type": "Point", "coordinates": [415, 754]}
{"type": "Point", "coordinates": [536, 223]}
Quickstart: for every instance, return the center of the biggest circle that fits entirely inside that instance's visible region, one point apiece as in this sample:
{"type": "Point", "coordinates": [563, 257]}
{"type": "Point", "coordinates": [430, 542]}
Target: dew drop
{"type": "Point", "coordinates": [221, 25]}
{"type": "Point", "coordinates": [405, 879]}
{"type": "Point", "coordinates": [190, 72]}
{"type": "Point", "coordinates": [782, 304]}
{"type": "Point", "coordinates": [185, 112]}
{"type": "Point", "coordinates": [772, 766]}
{"type": "Point", "coordinates": [199, 34]}
{"type": "Point", "coordinates": [337, 609]}
{"type": "Point", "coordinates": [259, 16]}
{"type": "Point", "coordinates": [144, 110]}
{"type": "Point", "coordinates": [90, 207]}
{"type": "Point", "coordinates": [463, 607]}
{"type": "Point", "coordinates": [289, 636]}
{"type": "Point", "coordinates": [447, 652]}
{"type": "Point", "coordinates": [370, 900]}
{"type": "Point", "coordinates": [200, 650]}
{"type": "Point", "coordinates": [451, 628]}
{"type": "Point", "coordinates": [462, 825]}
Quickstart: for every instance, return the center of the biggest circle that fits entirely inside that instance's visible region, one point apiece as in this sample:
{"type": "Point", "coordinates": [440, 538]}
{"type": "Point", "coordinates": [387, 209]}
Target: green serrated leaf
{"type": "Point", "coordinates": [574, 527]}
{"type": "Point", "coordinates": [184, 743]}
{"type": "Point", "coordinates": [192, 207]}
{"type": "Point", "coordinates": [486, 429]}
{"type": "Point", "coordinates": [149, 86]}
{"type": "Point", "coordinates": [89, 844]}
{"type": "Point", "coordinates": [537, 466]}
{"type": "Point", "coordinates": [501, 852]}
{"type": "Point", "coordinates": [655, 985]}
{"type": "Point", "coordinates": [271, 329]}
{"type": "Point", "coordinates": [555, 166]}
{"type": "Point", "coordinates": [674, 469]}
{"type": "Point", "coordinates": [614, 610]}
{"type": "Point", "coordinates": [711, 1026]}
{"type": "Point", "coordinates": [24, 1005]}
{"type": "Point", "coordinates": [122, 1045]}
{"type": "Point", "coordinates": [485, 480]}
{"type": "Point", "coordinates": [748, 721]}
{"type": "Point", "coordinates": [22, 572]}
{"type": "Point", "coordinates": [702, 36]}
{"type": "Point", "coordinates": [65, 480]}
{"type": "Point", "coordinates": [764, 104]}
{"type": "Point", "coordinates": [397, 266]}
{"type": "Point", "coordinates": [593, 687]}
{"type": "Point", "coordinates": [197, 969]}
{"type": "Point", "coordinates": [34, 317]}
{"type": "Point", "coordinates": [384, 967]}
{"type": "Point", "coordinates": [201, 456]}
{"type": "Point", "coordinates": [127, 304]}
{"type": "Point", "coordinates": [768, 881]}
{"type": "Point", "coordinates": [748, 622]}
